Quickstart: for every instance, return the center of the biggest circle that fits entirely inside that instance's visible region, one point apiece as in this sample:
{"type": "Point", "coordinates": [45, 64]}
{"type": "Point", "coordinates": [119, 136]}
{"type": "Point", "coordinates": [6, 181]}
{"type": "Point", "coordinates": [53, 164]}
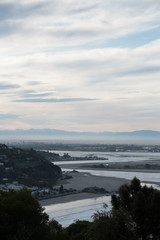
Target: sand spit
{"type": "Point", "coordinates": [79, 181]}
{"type": "Point", "coordinates": [69, 198]}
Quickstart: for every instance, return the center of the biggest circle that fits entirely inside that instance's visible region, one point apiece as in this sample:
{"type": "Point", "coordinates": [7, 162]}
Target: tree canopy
{"type": "Point", "coordinates": [22, 217]}
{"type": "Point", "coordinates": [142, 204]}
{"type": "Point", "coordinates": [135, 215]}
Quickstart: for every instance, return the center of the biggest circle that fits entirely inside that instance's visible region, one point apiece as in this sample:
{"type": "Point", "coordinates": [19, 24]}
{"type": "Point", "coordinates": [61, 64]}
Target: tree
{"type": "Point", "coordinates": [113, 225]}
{"type": "Point", "coordinates": [22, 217]}
{"type": "Point", "coordinates": [142, 206]}
{"type": "Point", "coordinates": [135, 215]}
{"type": "Point", "coordinates": [78, 230]}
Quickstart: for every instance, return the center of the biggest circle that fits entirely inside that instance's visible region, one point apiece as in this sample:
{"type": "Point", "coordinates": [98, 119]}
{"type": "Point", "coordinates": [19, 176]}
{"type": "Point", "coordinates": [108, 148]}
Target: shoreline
{"type": "Point", "coordinates": [82, 180]}
{"type": "Point", "coordinates": [133, 166]}
{"type": "Point", "coordinates": [70, 198]}
{"type": "Point", "coordinates": [79, 181]}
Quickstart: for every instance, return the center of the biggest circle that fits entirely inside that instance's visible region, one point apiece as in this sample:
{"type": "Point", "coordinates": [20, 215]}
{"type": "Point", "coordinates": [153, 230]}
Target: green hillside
{"type": "Point", "coordinates": [26, 167]}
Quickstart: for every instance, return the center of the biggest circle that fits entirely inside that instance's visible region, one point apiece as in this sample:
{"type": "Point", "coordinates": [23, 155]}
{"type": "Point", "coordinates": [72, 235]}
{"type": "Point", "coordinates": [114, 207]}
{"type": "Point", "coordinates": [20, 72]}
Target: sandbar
{"type": "Point", "coordinates": [79, 181]}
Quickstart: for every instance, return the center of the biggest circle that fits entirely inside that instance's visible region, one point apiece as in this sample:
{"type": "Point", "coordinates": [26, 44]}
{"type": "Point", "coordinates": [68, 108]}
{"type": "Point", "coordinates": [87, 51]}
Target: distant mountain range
{"type": "Point", "coordinates": [142, 136]}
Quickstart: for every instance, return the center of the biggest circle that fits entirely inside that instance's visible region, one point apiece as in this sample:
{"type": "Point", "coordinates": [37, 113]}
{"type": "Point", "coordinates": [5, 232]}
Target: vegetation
{"type": "Point", "coordinates": [135, 215]}
{"type": "Point", "coordinates": [26, 167]}
{"type": "Point", "coordinates": [141, 204]}
{"type": "Point", "coordinates": [22, 218]}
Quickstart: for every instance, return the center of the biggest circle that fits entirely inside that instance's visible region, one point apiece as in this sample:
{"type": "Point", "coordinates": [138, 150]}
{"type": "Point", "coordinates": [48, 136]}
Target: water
{"type": "Point", "coordinates": [81, 162]}
{"type": "Point", "coordinates": [106, 154]}
{"type": "Point", "coordinates": [67, 213]}
{"type": "Point", "coordinates": [143, 176]}
{"type": "Point", "coordinates": [111, 156]}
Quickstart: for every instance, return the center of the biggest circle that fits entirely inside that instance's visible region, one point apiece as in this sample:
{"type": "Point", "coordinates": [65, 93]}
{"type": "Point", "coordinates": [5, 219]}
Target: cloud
{"type": "Point", "coordinates": [106, 52]}
{"type": "Point", "coordinates": [106, 73]}
{"type": "Point", "coordinates": [54, 100]}
{"type": "Point", "coordinates": [40, 25]}
{"type": "Point", "coordinates": [8, 116]}
{"type": "Point", "coordinates": [17, 10]}
{"type": "Point", "coordinates": [28, 94]}
{"type": "Point", "coordinates": [140, 71]}
{"type": "Point", "coordinates": [7, 86]}
{"type": "Point", "coordinates": [33, 83]}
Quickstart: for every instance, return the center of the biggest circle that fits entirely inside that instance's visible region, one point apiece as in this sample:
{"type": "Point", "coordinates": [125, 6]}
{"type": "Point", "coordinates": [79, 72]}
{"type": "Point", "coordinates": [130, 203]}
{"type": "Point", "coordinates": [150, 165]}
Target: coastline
{"type": "Point", "coordinates": [69, 198]}
{"type": "Point", "coordinates": [79, 181]}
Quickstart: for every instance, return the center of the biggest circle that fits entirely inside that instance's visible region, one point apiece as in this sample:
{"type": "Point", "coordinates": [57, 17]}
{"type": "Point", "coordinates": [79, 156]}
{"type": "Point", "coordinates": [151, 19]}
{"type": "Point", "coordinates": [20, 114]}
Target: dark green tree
{"type": "Point", "coordinates": [78, 230]}
{"type": "Point", "coordinates": [142, 204]}
{"type": "Point", "coordinates": [114, 225]}
{"type": "Point", "coordinates": [22, 218]}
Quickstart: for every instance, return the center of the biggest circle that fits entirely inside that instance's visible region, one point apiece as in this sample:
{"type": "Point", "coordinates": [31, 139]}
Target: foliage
{"type": "Point", "coordinates": [78, 230]}
{"type": "Point", "coordinates": [135, 215]}
{"type": "Point", "coordinates": [27, 167]}
{"type": "Point", "coordinates": [142, 206]}
{"type": "Point", "coordinates": [22, 217]}
{"type": "Point", "coordinates": [113, 225]}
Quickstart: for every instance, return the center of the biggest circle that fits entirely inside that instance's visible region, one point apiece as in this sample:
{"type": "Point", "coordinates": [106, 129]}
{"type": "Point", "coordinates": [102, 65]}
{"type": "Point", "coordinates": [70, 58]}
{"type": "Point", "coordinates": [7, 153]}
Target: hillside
{"type": "Point", "coordinates": [26, 167]}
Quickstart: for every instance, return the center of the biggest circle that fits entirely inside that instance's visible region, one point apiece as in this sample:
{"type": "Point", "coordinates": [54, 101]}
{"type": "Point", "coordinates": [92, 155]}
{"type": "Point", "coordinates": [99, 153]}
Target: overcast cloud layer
{"type": "Point", "coordinates": [80, 65]}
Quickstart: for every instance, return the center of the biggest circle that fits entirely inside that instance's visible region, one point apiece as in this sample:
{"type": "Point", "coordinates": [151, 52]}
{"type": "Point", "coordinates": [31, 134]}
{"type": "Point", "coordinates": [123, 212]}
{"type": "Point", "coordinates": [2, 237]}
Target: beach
{"type": "Point", "coordinates": [79, 181]}
{"type": "Point", "coordinates": [69, 198]}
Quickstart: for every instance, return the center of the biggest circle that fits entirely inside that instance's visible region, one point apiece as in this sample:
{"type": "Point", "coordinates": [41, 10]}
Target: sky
{"type": "Point", "coordinates": [90, 65]}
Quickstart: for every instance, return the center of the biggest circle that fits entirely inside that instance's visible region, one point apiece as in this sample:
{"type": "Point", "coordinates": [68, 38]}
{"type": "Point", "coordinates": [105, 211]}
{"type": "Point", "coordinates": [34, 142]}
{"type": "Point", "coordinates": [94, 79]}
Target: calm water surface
{"type": "Point", "coordinates": [111, 156]}
{"type": "Point", "coordinates": [147, 177]}
{"type": "Point", "coordinates": [66, 213]}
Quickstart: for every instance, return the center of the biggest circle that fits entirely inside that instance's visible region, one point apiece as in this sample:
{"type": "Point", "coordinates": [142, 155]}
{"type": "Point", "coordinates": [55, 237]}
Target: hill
{"type": "Point", "coordinates": [135, 137]}
{"type": "Point", "coordinates": [26, 167]}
